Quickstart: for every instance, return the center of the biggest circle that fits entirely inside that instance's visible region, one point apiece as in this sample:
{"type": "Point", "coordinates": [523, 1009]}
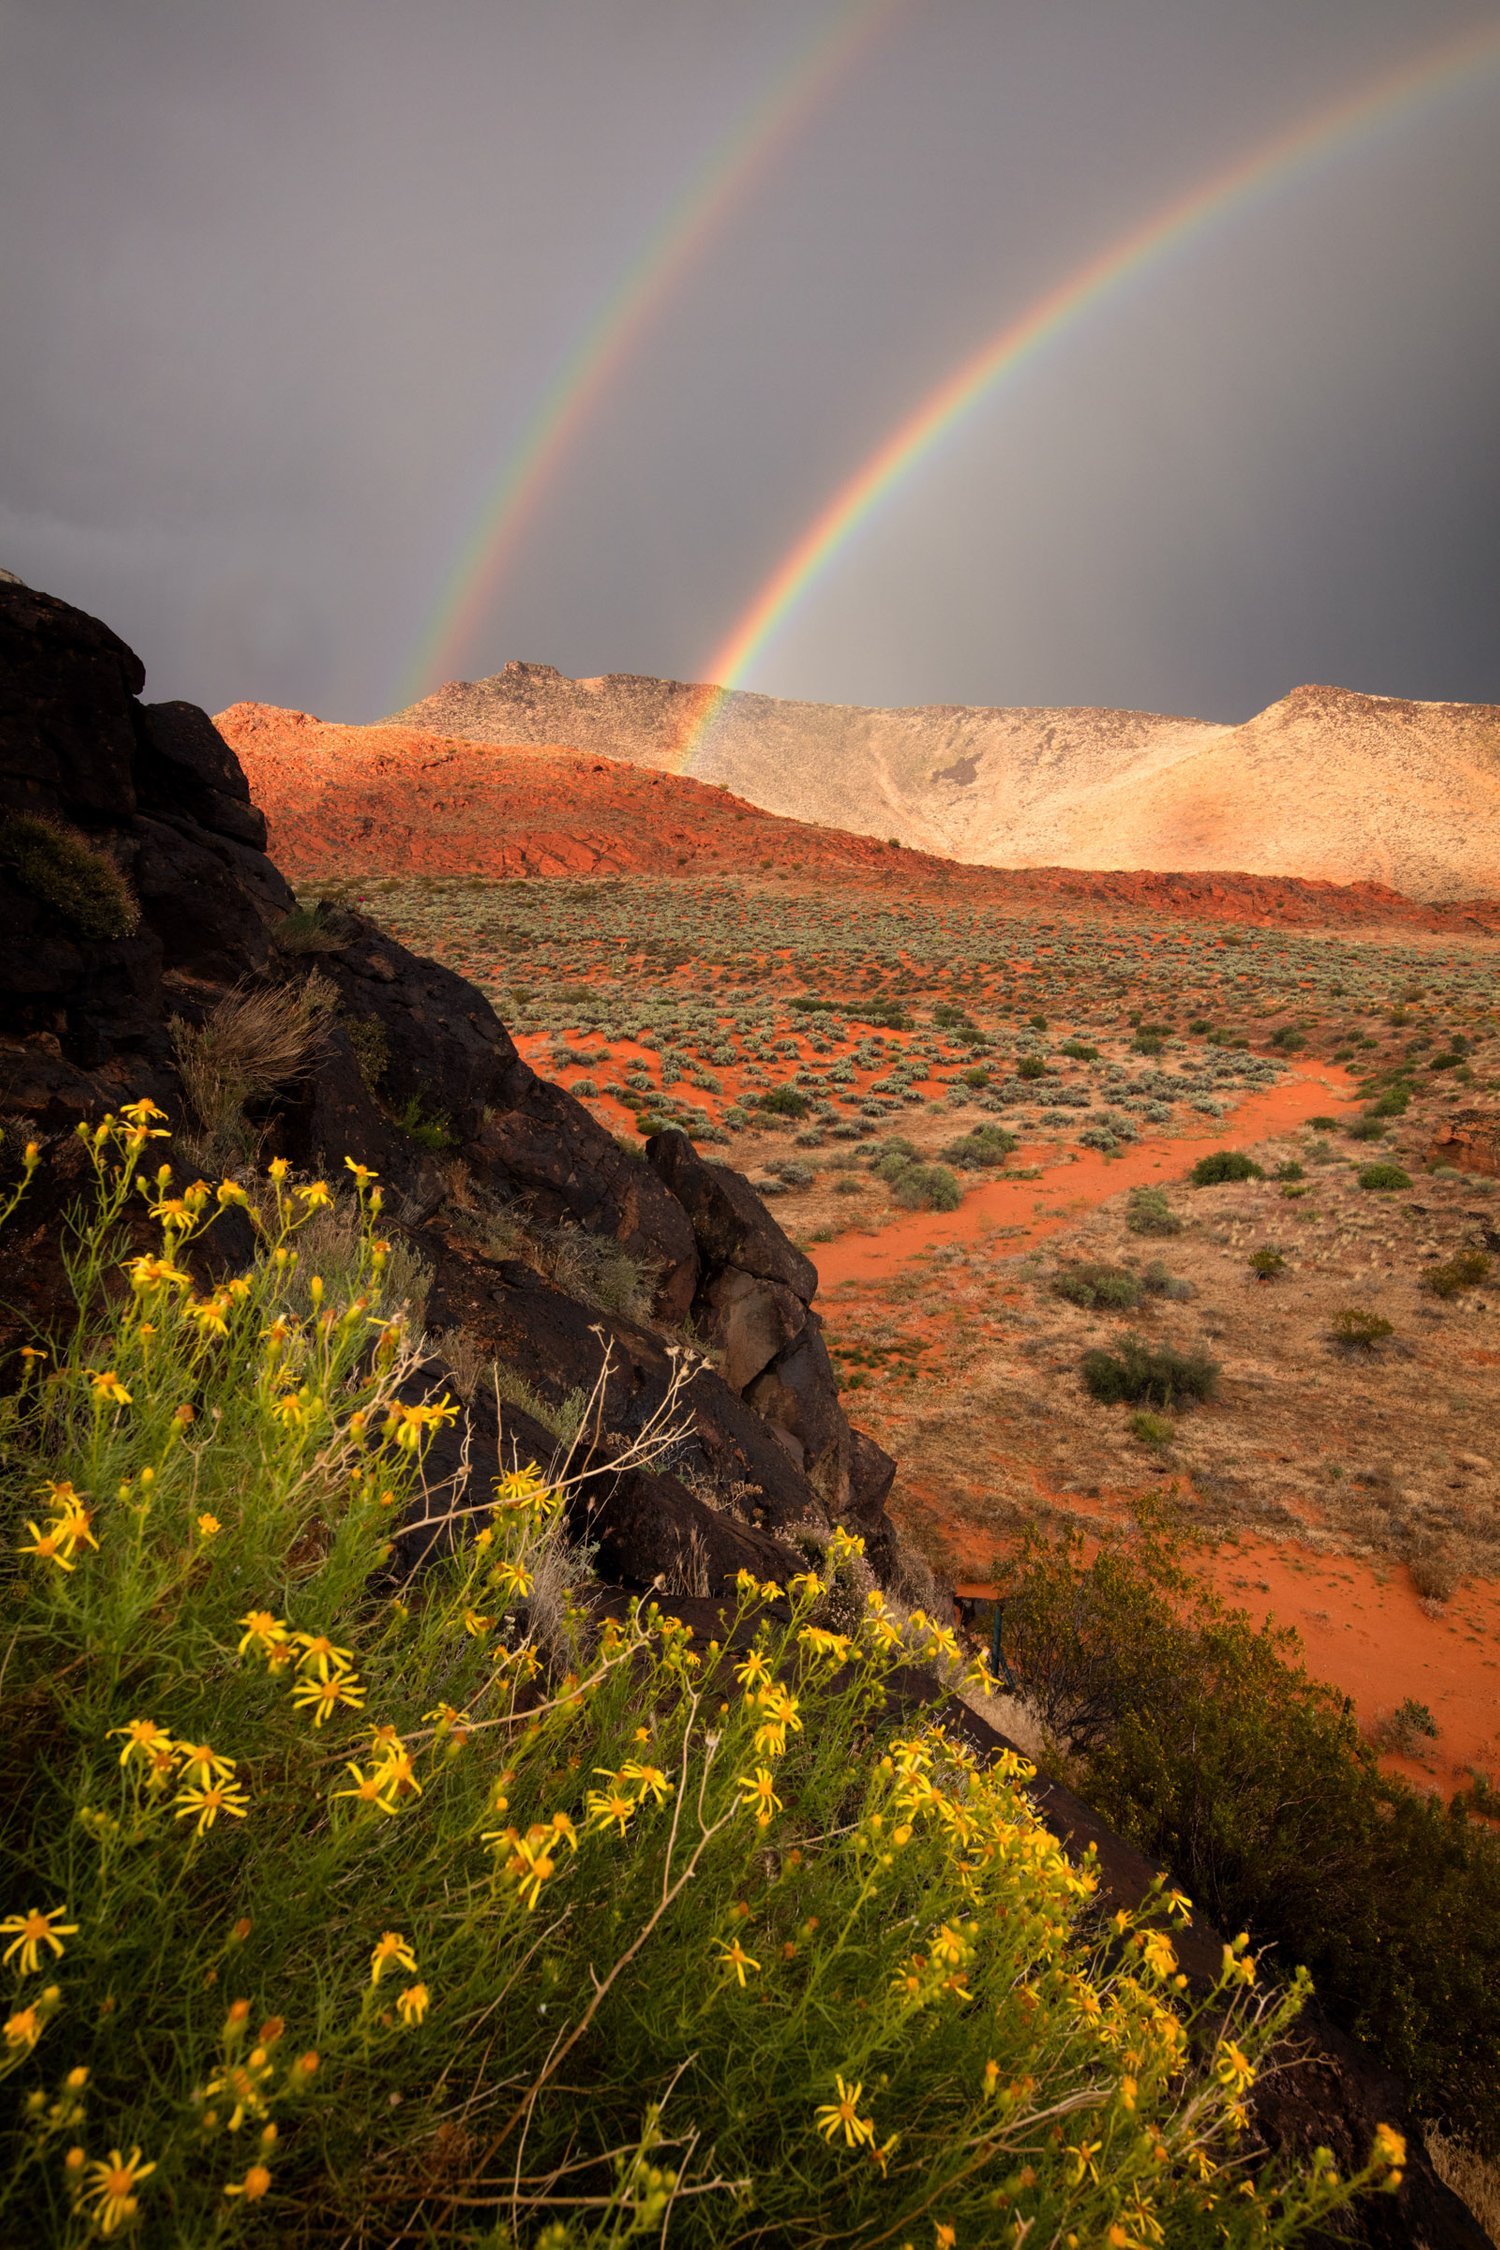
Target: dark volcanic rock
{"type": "Point", "coordinates": [731, 1224]}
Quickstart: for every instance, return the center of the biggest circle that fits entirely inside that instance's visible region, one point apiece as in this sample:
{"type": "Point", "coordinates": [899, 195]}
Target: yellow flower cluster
{"type": "Point", "coordinates": [531, 1860]}
{"type": "Point", "coordinates": [323, 1676]}
{"type": "Point", "coordinates": [68, 1527]}
{"type": "Point", "coordinates": [205, 1778]}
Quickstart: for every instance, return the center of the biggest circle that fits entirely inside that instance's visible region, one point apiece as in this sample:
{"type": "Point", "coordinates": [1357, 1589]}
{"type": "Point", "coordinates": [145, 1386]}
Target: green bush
{"type": "Point", "coordinates": [981, 1150]}
{"type": "Point", "coordinates": [66, 872]}
{"type": "Point", "coordinates": [1148, 1212]}
{"type": "Point", "coordinates": [1358, 1326]}
{"type": "Point", "coordinates": [1135, 1375]}
{"type": "Point", "coordinates": [408, 1905]}
{"type": "Point", "coordinates": [927, 1187]}
{"type": "Point", "coordinates": [1099, 1287]}
{"type": "Point", "coordinates": [1079, 1050]}
{"type": "Point", "coordinates": [1456, 1274]}
{"type": "Point", "coordinates": [1152, 1429]}
{"type": "Point", "coordinates": [431, 1132]}
{"type": "Point", "coordinates": [1205, 1739]}
{"type": "Point", "coordinates": [1223, 1164]}
{"type": "Point", "coordinates": [783, 1101]}
{"type": "Point", "coordinates": [1382, 1179]}
{"type": "Point", "coordinates": [1032, 1066]}
{"type": "Point", "coordinates": [1266, 1263]}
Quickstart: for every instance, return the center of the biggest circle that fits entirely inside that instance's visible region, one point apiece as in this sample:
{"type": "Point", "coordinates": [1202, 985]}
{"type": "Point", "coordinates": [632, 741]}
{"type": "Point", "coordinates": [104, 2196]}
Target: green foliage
{"type": "Point", "coordinates": [1465, 1270]}
{"type": "Point", "coordinates": [1152, 1429]}
{"type": "Point", "coordinates": [1135, 1375]}
{"type": "Point", "coordinates": [1224, 1164]}
{"type": "Point", "coordinates": [1288, 1038]}
{"type": "Point", "coordinates": [1266, 1263]}
{"type": "Point", "coordinates": [1357, 1326]}
{"type": "Point", "coordinates": [68, 873]}
{"type": "Point", "coordinates": [428, 1130]}
{"type": "Point", "coordinates": [1147, 1043]}
{"type": "Point", "coordinates": [926, 1187]}
{"type": "Point", "coordinates": [1382, 1179]}
{"type": "Point", "coordinates": [1079, 1050]}
{"type": "Point", "coordinates": [1032, 1066]}
{"type": "Point", "coordinates": [1148, 1212]}
{"type": "Point", "coordinates": [1098, 1287]}
{"type": "Point", "coordinates": [1206, 1740]}
{"type": "Point", "coordinates": [304, 931]}
{"type": "Point", "coordinates": [783, 1101]}
{"type": "Point", "coordinates": [311, 1852]}
{"type": "Point", "coordinates": [981, 1150]}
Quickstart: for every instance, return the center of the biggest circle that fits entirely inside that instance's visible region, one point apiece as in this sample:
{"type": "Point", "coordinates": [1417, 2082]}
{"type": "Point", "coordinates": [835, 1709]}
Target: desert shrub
{"type": "Point", "coordinates": [927, 1187]}
{"type": "Point", "coordinates": [1393, 1102]}
{"type": "Point", "coordinates": [370, 1045]}
{"type": "Point", "coordinates": [783, 1101]}
{"type": "Point", "coordinates": [1099, 1287]}
{"type": "Point", "coordinates": [1369, 1127]}
{"type": "Point", "coordinates": [793, 1173]}
{"type": "Point", "coordinates": [1148, 1212]}
{"type": "Point", "coordinates": [981, 1150]}
{"type": "Point", "coordinates": [1323, 1124]}
{"type": "Point", "coordinates": [977, 1074]}
{"type": "Point", "coordinates": [305, 931]}
{"type": "Point", "coordinates": [1147, 1043]}
{"type": "Point", "coordinates": [1434, 1573]}
{"type": "Point", "coordinates": [1357, 1326]}
{"type": "Point", "coordinates": [66, 872]}
{"type": "Point", "coordinates": [1152, 1429]}
{"type": "Point", "coordinates": [1134, 1375]}
{"type": "Point", "coordinates": [1205, 1739]}
{"type": "Point", "coordinates": [1291, 1170]}
{"type": "Point", "coordinates": [1266, 1263]}
{"type": "Point", "coordinates": [1032, 1066]}
{"type": "Point", "coordinates": [1403, 1729]}
{"type": "Point", "coordinates": [293, 1829]}
{"type": "Point", "coordinates": [255, 1042]}
{"type": "Point", "coordinates": [1383, 1179]}
{"type": "Point", "coordinates": [1079, 1050]}
{"type": "Point", "coordinates": [891, 1158]}
{"type": "Point", "coordinates": [1224, 1164]}
{"type": "Point", "coordinates": [1465, 1270]}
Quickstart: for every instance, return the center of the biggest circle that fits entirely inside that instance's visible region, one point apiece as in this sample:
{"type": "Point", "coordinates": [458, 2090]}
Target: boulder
{"type": "Point", "coordinates": [731, 1226]}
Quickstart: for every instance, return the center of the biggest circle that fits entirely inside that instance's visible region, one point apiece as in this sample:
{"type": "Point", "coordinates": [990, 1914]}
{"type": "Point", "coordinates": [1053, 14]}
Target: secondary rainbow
{"type": "Point", "coordinates": [1316, 140]}
{"type": "Point", "coordinates": [704, 206]}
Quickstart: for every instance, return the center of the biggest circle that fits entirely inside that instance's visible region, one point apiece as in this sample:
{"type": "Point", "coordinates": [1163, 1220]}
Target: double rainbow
{"type": "Point", "coordinates": [1291, 155]}
{"type": "Point", "coordinates": [724, 182]}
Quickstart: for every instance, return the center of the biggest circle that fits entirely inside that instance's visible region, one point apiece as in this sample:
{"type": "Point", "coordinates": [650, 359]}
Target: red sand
{"type": "Point", "coordinates": [1044, 1205]}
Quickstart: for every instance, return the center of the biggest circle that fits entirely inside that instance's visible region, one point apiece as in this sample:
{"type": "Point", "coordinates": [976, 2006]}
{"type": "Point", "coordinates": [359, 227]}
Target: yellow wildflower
{"type": "Point", "coordinates": [607, 1808]}
{"type": "Point", "coordinates": [230, 1191]}
{"type": "Point", "coordinates": [320, 1652]}
{"type": "Point", "coordinates": [843, 2116]}
{"type": "Point", "coordinates": [323, 1696]}
{"type": "Point", "coordinates": [511, 1579]}
{"type": "Point", "coordinates": [209, 1526]}
{"type": "Point", "coordinates": [392, 1949]}
{"type": "Point", "coordinates": [649, 1781]}
{"type": "Point", "coordinates": [362, 1173]}
{"type": "Point", "coordinates": [401, 1774]}
{"type": "Point", "coordinates": [208, 1801]}
{"type": "Point", "coordinates": [201, 1762]}
{"type": "Point", "coordinates": [477, 1624]}
{"type": "Point", "coordinates": [760, 1792]}
{"type": "Point", "coordinates": [754, 1671]}
{"type": "Point", "coordinates": [411, 2005]}
{"type": "Point", "coordinates": [1389, 2151]}
{"type": "Point", "coordinates": [143, 1112]}
{"type": "Point", "coordinates": [372, 1788]}
{"type": "Point", "coordinates": [521, 1487]}
{"type": "Point", "coordinates": [1234, 2069]}
{"type": "Point", "coordinates": [108, 1389]}
{"type": "Point", "coordinates": [111, 2200]}
{"type": "Point", "coordinates": [733, 1957]}
{"type": "Point", "coordinates": [156, 1273]}
{"type": "Point", "coordinates": [29, 1932]}
{"type": "Point", "coordinates": [406, 1426]}
{"type": "Point", "coordinates": [52, 1545]}
{"type": "Point", "coordinates": [24, 2028]}
{"type": "Point", "coordinates": [263, 1632]}
{"type": "Point", "coordinates": [253, 2186]}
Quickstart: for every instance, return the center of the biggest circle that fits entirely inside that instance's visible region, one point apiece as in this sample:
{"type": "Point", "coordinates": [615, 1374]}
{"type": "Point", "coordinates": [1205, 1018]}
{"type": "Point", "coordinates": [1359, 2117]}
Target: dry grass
{"type": "Point", "coordinates": [1472, 2177]}
{"type": "Point", "coordinates": [255, 1042]}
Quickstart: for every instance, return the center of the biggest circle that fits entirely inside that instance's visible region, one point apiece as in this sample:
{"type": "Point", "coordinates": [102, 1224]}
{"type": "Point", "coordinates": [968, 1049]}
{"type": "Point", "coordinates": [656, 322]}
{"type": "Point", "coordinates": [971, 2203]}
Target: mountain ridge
{"type": "Point", "coordinates": [1328, 783]}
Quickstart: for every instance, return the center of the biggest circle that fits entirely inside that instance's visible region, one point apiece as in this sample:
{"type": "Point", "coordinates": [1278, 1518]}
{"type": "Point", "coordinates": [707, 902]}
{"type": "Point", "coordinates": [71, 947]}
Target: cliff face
{"type": "Point", "coordinates": [135, 890]}
{"type": "Point", "coordinates": [1326, 784]}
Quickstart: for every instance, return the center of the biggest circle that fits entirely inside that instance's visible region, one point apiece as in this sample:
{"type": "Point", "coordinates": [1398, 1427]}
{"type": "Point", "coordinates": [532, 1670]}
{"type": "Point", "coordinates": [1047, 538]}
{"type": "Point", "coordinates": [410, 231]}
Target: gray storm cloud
{"type": "Point", "coordinates": [285, 283]}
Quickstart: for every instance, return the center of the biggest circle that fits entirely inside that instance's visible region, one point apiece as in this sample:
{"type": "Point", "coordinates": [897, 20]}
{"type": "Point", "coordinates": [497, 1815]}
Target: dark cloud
{"type": "Point", "coordinates": [283, 283]}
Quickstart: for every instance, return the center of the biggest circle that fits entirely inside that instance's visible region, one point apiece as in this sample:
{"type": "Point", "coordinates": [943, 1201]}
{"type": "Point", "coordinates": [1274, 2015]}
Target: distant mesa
{"type": "Point", "coordinates": [373, 801]}
{"type": "Point", "coordinates": [1327, 784]}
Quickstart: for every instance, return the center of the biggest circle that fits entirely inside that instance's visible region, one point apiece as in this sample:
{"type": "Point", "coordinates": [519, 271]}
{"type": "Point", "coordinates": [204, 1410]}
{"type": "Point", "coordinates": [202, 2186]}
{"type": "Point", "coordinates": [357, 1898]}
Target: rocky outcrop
{"type": "Point", "coordinates": [135, 892]}
{"type": "Point", "coordinates": [1469, 1140]}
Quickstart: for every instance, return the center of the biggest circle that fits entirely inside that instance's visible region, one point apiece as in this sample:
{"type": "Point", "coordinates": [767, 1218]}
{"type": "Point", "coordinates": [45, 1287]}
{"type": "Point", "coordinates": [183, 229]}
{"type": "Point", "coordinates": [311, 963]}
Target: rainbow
{"type": "Point", "coordinates": [1316, 140]}
{"type": "Point", "coordinates": [708, 201]}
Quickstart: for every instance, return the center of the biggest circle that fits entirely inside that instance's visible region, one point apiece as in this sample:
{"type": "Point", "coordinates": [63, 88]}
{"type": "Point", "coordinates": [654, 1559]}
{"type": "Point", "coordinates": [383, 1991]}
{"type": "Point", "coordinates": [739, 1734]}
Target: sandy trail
{"type": "Point", "coordinates": [1079, 1180]}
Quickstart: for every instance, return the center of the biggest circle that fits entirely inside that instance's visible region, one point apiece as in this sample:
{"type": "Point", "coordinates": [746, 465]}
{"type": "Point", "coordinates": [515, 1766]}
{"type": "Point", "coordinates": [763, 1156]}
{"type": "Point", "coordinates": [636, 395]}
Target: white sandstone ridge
{"type": "Point", "coordinates": [1327, 783]}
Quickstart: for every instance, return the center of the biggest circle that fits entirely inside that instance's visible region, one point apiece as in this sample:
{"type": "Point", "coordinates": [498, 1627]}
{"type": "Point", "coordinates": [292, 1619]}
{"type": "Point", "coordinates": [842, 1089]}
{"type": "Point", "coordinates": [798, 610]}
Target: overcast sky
{"type": "Point", "coordinates": [283, 282]}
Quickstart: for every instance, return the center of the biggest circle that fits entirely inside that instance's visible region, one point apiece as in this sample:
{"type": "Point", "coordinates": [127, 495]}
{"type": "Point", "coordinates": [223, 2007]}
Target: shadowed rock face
{"type": "Point", "coordinates": [163, 900]}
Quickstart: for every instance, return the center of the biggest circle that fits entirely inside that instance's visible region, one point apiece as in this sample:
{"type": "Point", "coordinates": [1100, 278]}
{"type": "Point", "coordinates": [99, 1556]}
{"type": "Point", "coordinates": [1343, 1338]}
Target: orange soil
{"type": "Point", "coordinates": [392, 800]}
{"type": "Point", "coordinates": [1080, 1180]}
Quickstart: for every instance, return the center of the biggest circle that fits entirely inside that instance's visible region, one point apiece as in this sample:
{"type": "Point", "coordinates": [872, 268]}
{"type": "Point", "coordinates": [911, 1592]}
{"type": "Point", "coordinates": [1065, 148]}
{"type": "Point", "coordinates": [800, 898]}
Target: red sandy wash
{"type": "Point", "coordinates": [1079, 1183]}
{"type": "Point", "coordinates": [1365, 1632]}
{"type": "Point", "coordinates": [392, 800]}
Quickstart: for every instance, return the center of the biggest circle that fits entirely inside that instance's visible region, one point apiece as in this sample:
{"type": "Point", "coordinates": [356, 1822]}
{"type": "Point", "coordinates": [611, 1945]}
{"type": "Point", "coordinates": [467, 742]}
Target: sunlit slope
{"type": "Point", "coordinates": [1327, 783]}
